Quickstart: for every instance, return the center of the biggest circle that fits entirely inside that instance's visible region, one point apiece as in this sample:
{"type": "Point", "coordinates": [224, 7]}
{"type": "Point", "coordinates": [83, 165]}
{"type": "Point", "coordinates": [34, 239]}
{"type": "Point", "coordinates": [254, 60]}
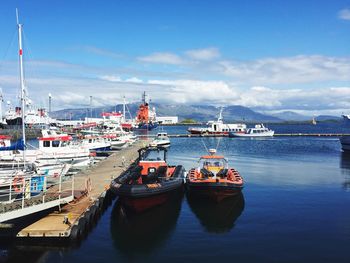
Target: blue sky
{"type": "Point", "coordinates": [267, 55]}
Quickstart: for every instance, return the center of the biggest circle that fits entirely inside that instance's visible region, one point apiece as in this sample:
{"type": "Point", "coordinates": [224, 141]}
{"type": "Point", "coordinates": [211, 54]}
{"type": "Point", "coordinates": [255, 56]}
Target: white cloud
{"type": "Point", "coordinates": [111, 78]}
{"type": "Point", "coordinates": [203, 54]}
{"type": "Point", "coordinates": [344, 14]}
{"type": "Point", "coordinates": [288, 70]}
{"type": "Point", "coordinates": [163, 58]}
{"type": "Point", "coordinates": [195, 91]}
{"type": "Point", "coordinates": [134, 80]}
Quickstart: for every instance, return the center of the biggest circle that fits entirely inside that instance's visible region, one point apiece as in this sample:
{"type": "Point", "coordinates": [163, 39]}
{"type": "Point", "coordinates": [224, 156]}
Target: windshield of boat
{"type": "Point", "coordinates": [153, 155]}
{"type": "Point", "coordinates": [213, 162]}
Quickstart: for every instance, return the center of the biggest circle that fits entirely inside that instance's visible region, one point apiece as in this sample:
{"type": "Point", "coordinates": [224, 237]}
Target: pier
{"type": "Point", "coordinates": [275, 135]}
{"type": "Point", "coordinates": [91, 196]}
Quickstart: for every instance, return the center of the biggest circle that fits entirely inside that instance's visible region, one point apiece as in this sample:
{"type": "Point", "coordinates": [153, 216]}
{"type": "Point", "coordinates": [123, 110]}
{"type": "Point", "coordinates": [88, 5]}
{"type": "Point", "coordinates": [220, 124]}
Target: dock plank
{"type": "Point", "coordinates": [100, 176]}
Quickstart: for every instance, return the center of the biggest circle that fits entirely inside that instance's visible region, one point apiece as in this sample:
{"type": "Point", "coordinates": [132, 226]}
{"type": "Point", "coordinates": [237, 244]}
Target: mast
{"type": "Point", "coordinates": [1, 101]}
{"type": "Point", "coordinates": [220, 114]}
{"type": "Point", "coordinates": [21, 75]}
{"type": "Point", "coordinates": [90, 108]}
{"type": "Point", "coordinates": [124, 117]}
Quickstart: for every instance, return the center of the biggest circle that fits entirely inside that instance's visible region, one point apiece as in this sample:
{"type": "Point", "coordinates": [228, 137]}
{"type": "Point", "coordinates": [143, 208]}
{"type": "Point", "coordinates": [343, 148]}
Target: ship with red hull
{"type": "Point", "coordinates": [213, 178]}
{"type": "Point", "coordinates": [150, 181]}
{"type": "Point", "coordinates": [146, 117]}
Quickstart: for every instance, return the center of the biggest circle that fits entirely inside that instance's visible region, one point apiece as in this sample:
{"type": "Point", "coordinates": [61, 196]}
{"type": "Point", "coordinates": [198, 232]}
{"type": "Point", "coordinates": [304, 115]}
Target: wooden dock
{"type": "Point", "coordinates": [91, 194]}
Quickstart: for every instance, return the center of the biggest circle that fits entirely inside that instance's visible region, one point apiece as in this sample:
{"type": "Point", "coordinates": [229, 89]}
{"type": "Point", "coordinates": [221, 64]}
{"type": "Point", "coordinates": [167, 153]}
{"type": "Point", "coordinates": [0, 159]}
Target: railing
{"type": "Point", "coordinates": [20, 190]}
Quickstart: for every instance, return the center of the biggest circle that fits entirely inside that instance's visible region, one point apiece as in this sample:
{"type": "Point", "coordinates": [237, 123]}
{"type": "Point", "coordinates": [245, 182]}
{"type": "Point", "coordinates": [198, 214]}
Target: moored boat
{"type": "Point", "coordinates": [258, 130]}
{"type": "Point", "coordinates": [218, 127]}
{"type": "Point", "coordinates": [146, 118]}
{"type": "Point", "coordinates": [161, 139]}
{"type": "Point", "coordinates": [214, 178]}
{"type": "Point", "coordinates": [150, 181]}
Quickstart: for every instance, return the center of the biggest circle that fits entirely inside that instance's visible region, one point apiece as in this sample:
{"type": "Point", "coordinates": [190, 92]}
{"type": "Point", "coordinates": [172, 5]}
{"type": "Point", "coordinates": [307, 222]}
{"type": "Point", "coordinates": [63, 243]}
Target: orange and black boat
{"type": "Point", "coordinates": [214, 178]}
{"type": "Point", "coordinates": [149, 181]}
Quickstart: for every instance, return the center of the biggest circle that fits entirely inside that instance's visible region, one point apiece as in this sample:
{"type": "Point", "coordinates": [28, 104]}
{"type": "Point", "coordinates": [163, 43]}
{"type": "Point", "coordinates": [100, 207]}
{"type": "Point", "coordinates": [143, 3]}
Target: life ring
{"type": "Point", "coordinates": [17, 183]}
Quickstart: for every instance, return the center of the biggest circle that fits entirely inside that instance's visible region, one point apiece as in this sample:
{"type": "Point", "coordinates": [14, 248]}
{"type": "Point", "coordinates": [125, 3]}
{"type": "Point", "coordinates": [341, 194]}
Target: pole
{"type": "Point", "coordinates": [124, 117]}
{"type": "Point", "coordinates": [90, 107]}
{"type": "Point", "coordinates": [20, 54]}
{"type": "Point", "coordinates": [50, 98]}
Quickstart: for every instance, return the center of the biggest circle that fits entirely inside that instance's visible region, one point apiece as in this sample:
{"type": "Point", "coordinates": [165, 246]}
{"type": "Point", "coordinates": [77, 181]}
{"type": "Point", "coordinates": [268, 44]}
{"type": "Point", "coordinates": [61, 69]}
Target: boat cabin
{"type": "Point", "coordinates": [212, 163]}
{"type": "Point", "coordinates": [51, 139]}
{"type": "Point", "coordinates": [161, 135]}
{"type": "Point", "coordinates": [151, 158]}
{"type": "Point", "coordinates": [259, 128]}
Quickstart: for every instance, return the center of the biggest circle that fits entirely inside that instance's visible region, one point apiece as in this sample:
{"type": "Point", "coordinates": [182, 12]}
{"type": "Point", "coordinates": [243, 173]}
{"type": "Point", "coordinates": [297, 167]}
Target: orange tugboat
{"type": "Point", "coordinates": [146, 118]}
{"type": "Point", "coordinates": [214, 178]}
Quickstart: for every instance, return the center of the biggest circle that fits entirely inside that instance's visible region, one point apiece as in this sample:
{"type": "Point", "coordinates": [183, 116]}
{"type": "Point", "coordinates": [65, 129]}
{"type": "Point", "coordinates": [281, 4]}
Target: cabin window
{"type": "Point", "coordinates": [55, 143]}
{"type": "Point", "coordinates": [46, 143]}
{"type": "Point", "coordinates": [90, 140]}
{"type": "Point", "coordinates": [214, 127]}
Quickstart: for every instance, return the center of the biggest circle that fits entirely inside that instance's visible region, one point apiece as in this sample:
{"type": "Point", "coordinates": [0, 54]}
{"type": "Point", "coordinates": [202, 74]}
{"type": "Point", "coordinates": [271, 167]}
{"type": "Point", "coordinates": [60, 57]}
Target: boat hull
{"type": "Point", "coordinates": [216, 191]}
{"type": "Point", "coordinates": [140, 197]}
{"type": "Point", "coordinates": [345, 143]}
{"type": "Point", "coordinates": [147, 126]}
{"type": "Point", "coordinates": [247, 135]}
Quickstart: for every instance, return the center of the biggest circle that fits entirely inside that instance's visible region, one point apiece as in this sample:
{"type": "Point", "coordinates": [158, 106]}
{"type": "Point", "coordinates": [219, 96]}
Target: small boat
{"type": "Point", "coordinates": [161, 139]}
{"type": "Point", "coordinates": [213, 178]}
{"type": "Point", "coordinates": [150, 181]}
{"type": "Point", "coordinates": [96, 143]}
{"type": "Point", "coordinates": [258, 131]}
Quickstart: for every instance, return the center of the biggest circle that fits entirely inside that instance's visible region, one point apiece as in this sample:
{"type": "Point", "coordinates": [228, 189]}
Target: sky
{"type": "Point", "coordinates": [269, 55]}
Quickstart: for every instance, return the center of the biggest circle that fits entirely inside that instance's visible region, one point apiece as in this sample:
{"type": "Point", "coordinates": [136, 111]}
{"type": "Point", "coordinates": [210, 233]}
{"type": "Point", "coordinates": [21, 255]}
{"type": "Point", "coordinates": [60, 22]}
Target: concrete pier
{"type": "Point", "coordinates": [91, 193]}
{"type": "Point", "coordinates": [276, 135]}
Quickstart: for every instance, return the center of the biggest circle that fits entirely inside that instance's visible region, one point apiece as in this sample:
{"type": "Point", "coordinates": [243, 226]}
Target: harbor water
{"type": "Point", "coordinates": [294, 208]}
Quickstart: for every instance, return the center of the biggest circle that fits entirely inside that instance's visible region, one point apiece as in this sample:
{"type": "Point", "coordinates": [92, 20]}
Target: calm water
{"type": "Point", "coordinates": [295, 207]}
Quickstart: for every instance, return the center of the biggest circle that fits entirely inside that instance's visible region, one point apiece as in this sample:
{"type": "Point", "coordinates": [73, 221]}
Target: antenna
{"type": "Point", "coordinates": [17, 19]}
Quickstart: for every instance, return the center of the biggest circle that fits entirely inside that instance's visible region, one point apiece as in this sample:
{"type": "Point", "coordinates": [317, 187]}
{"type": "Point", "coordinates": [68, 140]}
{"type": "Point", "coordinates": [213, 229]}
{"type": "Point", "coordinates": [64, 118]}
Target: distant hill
{"type": "Point", "coordinates": [199, 113]}
{"type": "Point", "coordinates": [328, 118]}
{"type": "Point", "coordinates": [291, 116]}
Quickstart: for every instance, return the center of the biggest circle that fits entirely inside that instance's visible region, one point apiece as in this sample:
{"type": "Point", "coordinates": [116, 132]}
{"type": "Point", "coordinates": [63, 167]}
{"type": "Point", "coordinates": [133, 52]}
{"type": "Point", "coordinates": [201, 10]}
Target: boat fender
{"type": "Point", "coordinates": [75, 233]}
{"type": "Point", "coordinates": [18, 184]}
{"type": "Point", "coordinates": [83, 224]}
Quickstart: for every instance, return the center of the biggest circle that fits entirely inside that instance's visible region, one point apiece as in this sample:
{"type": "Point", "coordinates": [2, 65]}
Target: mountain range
{"type": "Point", "coordinates": [200, 113]}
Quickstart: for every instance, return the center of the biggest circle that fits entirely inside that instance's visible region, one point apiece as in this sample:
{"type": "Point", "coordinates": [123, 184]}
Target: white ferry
{"type": "Point", "coordinates": [258, 131]}
{"type": "Point", "coordinates": [219, 127]}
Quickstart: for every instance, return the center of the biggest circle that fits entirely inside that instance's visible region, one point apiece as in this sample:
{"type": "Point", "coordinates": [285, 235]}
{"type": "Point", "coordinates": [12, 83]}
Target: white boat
{"type": "Point", "coordinates": [53, 148]}
{"type": "Point", "coordinates": [258, 131]}
{"type": "Point", "coordinates": [161, 139]}
{"type": "Point", "coordinates": [218, 127]}
{"type": "Point", "coordinates": [96, 143]}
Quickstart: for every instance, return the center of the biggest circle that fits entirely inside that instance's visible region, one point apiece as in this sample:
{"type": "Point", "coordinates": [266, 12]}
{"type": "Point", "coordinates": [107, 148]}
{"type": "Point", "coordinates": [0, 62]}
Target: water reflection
{"type": "Point", "coordinates": [345, 168]}
{"type": "Point", "coordinates": [139, 234]}
{"type": "Point", "coordinates": [217, 217]}
{"type": "Point", "coordinates": [22, 254]}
